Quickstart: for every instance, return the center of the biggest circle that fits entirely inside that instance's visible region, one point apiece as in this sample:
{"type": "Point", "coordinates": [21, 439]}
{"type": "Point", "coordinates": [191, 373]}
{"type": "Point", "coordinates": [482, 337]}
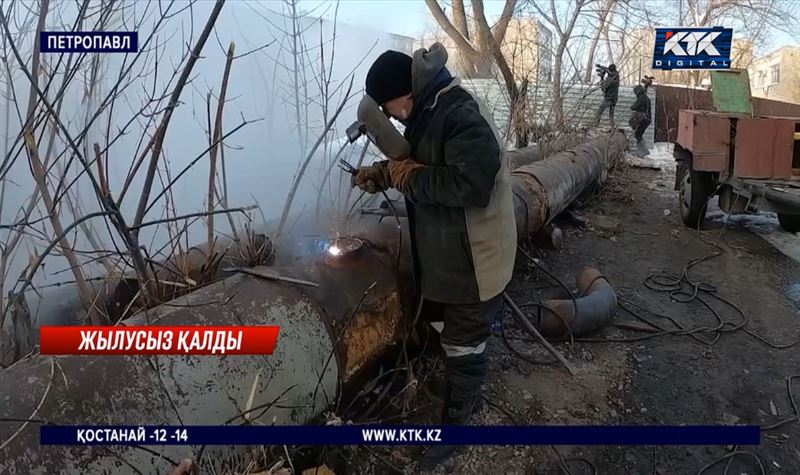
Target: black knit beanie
{"type": "Point", "coordinates": [389, 77]}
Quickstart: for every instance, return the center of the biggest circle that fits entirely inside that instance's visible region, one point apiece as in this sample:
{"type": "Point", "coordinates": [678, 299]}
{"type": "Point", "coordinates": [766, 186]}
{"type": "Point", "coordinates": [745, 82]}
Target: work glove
{"type": "Point", "coordinates": [400, 172]}
{"type": "Point", "coordinates": [373, 178]}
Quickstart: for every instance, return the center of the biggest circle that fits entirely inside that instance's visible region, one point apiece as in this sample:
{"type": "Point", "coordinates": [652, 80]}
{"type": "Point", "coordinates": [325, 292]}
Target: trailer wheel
{"type": "Point", "coordinates": [789, 222]}
{"type": "Point", "coordinates": [694, 190]}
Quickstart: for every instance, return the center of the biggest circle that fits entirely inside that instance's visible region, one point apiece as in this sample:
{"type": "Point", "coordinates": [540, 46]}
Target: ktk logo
{"type": "Point", "coordinates": [697, 42]}
{"type": "Point", "coordinates": [692, 48]}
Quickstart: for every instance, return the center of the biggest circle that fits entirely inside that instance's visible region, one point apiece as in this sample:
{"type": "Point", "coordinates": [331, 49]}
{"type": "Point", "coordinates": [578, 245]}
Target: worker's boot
{"type": "Point", "coordinates": [437, 389]}
{"type": "Point", "coordinates": [641, 149]}
{"type": "Point", "coordinates": [456, 412]}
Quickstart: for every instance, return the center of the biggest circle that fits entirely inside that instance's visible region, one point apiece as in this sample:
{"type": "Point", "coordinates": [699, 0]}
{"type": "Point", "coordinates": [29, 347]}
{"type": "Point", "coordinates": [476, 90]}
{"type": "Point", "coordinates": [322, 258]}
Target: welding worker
{"type": "Point", "coordinates": [610, 87]}
{"type": "Point", "coordinates": [640, 118]}
{"type": "Point", "coordinates": [459, 202]}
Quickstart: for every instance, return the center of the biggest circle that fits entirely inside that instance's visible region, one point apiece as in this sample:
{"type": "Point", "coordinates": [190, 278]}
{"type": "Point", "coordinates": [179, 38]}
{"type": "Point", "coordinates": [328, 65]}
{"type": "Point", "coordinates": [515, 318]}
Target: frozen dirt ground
{"type": "Point", "coordinates": [632, 231]}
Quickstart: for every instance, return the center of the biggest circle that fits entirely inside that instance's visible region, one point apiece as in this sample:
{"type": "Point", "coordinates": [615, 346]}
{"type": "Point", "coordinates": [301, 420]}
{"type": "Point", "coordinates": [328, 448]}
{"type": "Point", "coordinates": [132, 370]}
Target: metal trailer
{"type": "Point", "coordinates": [752, 163]}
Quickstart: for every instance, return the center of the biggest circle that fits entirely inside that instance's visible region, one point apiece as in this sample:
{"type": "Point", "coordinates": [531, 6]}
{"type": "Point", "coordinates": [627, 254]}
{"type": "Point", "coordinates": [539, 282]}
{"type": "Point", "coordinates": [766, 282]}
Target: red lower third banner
{"type": "Point", "coordinates": [158, 340]}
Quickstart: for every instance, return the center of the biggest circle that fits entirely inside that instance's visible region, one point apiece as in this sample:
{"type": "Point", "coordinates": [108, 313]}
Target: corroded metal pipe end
{"type": "Point", "coordinates": [589, 279]}
{"type": "Point", "coordinates": [589, 312]}
{"type": "Point", "coordinates": [343, 250]}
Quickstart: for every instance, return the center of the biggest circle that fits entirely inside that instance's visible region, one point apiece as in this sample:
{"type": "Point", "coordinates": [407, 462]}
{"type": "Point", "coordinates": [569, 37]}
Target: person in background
{"type": "Point", "coordinates": [609, 84]}
{"type": "Point", "coordinates": [640, 119]}
{"type": "Point", "coordinates": [457, 188]}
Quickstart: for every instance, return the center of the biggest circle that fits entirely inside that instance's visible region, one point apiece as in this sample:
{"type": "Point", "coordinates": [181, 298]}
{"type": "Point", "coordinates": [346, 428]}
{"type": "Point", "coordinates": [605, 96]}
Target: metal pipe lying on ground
{"type": "Point", "coordinates": [544, 189]}
{"type": "Point", "coordinates": [543, 149]}
{"type": "Point", "coordinates": [328, 335]}
{"type": "Point", "coordinates": [589, 312]}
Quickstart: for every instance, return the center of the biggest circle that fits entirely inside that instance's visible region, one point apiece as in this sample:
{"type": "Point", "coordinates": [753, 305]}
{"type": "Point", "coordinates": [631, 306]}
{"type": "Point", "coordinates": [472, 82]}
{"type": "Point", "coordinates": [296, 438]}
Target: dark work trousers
{"type": "Point", "coordinates": [467, 328]}
{"type": "Point", "coordinates": [639, 132]}
{"type": "Point", "coordinates": [610, 104]}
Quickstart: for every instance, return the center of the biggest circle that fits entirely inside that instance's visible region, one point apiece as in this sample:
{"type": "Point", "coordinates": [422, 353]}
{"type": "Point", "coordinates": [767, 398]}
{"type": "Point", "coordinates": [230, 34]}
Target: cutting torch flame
{"type": "Point", "coordinates": [334, 250]}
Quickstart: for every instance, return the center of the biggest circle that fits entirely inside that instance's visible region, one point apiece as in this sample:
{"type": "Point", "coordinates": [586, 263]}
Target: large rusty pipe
{"type": "Point", "coordinates": [542, 190]}
{"type": "Point", "coordinates": [588, 312]}
{"type": "Point", "coordinates": [327, 336]}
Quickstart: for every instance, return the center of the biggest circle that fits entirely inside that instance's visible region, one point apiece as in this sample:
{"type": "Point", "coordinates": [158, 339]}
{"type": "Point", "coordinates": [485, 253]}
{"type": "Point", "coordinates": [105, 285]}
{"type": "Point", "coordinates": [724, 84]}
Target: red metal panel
{"type": "Point", "coordinates": [763, 148]}
{"type": "Point", "coordinates": [670, 99]}
{"type": "Point", "coordinates": [784, 148]}
{"type": "Point", "coordinates": [707, 136]}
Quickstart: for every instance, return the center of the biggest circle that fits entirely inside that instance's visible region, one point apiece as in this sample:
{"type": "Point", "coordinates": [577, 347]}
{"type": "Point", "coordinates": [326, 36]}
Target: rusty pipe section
{"type": "Point", "coordinates": [545, 148]}
{"type": "Point", "coordinates": [542, 190]}
{"type": "Point", "coordinates": [327, 336]}
{"type": "Point", "coordinates": [589, 312]}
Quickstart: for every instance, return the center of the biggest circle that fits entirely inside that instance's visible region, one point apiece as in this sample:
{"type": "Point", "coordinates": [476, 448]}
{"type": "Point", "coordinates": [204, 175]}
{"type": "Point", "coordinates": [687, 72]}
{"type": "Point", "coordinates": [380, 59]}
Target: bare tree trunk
{"type": "Point", "coordinates": [558, 99]}
{"type": "Point", "coordinates": [505, 18]}
{"type": "Point", "coordinates": [508, 77]}
{"type": "Point", "coordinates": [483, 61]}
{"type": "Point", "coordinates": [608, 5]}
{"type": "Point", "coordinates": [473, 48]}
{"type": "Point", "coordinates": [609, 50]}
{"type": "Point", "coordinates": [41, 182]}
{"type": "Point", "coordinates": [296, 84]}
{"type": "Point", "coordinates": [3, 252]}
{"type": "Point", "coordinates": [460, 18]}
{"type": "Point", "coordinates": [212, 156]}
{"type": "Point", "coordinates": [158, 141]}
{"type": "Point", "coordinates": [564, 34]}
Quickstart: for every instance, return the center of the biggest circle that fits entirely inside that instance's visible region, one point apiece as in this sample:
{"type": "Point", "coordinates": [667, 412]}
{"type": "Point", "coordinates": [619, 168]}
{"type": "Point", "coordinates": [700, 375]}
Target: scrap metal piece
{"type": "Point", "coordinates": [268, 274]}
{"type": "Point", "coordinates": [533, 331]}
{"type": "Point", "coordinates": [590, 311]}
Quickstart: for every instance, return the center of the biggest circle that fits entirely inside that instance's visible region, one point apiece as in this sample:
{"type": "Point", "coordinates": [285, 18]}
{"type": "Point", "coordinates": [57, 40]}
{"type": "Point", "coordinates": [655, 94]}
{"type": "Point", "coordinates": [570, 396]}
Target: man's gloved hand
{"type": "Point", "coordinates": [373, 178]}
{"type": "Point", "coordinates": [401, 170]}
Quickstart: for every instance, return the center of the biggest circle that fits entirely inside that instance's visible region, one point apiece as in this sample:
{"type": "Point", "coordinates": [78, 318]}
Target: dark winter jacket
{"type": "Point", "coordinates": [641, 109]}
{"type": "Point", "coordinates": [610, 86]}
{"type": "Point", "coordinates": [460, 204]}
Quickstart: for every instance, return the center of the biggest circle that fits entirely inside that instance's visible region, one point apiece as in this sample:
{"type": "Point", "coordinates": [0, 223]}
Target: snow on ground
{"type": "Point", "coordinates": [764, 224]}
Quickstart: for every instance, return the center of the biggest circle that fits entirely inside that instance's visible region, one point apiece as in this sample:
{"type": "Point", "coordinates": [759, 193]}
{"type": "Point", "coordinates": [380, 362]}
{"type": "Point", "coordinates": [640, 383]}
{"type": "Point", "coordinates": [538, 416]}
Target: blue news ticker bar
{"type": "Point", "coordinates": [414, 435]}
{"type": "Point", "coordinates": [88, 41]}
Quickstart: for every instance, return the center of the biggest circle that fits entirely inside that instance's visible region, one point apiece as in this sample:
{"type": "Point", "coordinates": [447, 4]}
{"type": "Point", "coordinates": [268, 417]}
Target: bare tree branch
{"type": "Point", "coordinates": [460, 18]}
{"type": "Point", "coordinates": [296, 183]}
{"type": "Point", "coordinates": [173, 103]}
{"type": "Point", "coordinates": [212, 172]}
{"type": "Point", "coordinates": [441, 18]}
{"type": "Point", "coordinates": [502, 23]}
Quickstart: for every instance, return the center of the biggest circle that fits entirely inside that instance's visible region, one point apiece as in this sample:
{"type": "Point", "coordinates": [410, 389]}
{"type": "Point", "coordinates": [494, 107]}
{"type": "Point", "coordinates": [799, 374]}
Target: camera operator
{"type": "Point", "coordinates": [609, 84]}
{"type": "Point", "coordinates": [647, 81]}
{"type": "Point", "coordinates": [640, 118]}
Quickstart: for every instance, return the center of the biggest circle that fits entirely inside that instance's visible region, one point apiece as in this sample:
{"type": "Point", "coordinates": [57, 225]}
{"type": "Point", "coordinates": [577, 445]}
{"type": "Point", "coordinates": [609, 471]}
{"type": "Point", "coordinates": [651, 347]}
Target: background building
{"type": "Point", "coordinates": [404, 44]}
{"type": "Point", "coordinates": [776, 75]}
{"type": "Point", "coordinates": [528, 48]}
